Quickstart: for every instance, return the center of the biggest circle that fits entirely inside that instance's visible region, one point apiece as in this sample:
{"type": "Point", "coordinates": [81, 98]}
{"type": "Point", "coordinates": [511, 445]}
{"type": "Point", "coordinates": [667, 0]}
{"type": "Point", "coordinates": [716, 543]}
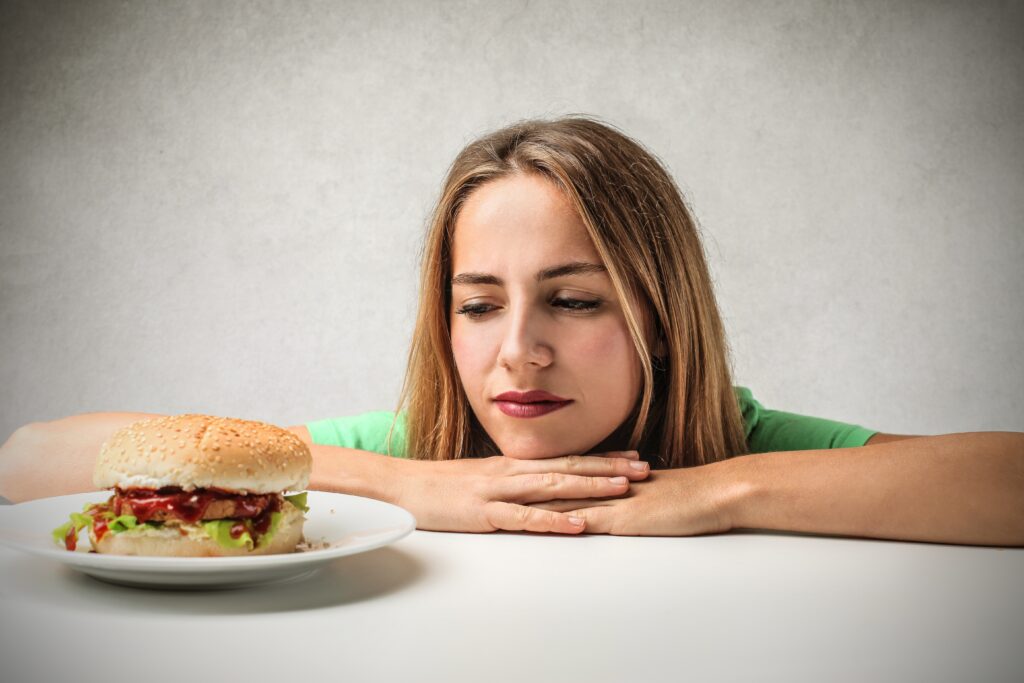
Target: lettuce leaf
{"type": "Point", "coordinates": [78, 520]}
{"type": "Point", "coordinates": [81, 520]}
{"type": "Point", "coordinates": [275, 522]}
{"type": "Point", "coordinates": [298, 500]}
{"type": "Point", "coordinates": [122, 523]}
{"type": "Point", "coordinates": [220, 531]}
{"type": "Point", "coordinates": [61, 533]}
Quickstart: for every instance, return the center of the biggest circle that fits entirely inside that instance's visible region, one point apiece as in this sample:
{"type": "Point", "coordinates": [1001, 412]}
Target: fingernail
{"type": "Point", "coordinates": [576, 521]}
{"type": "Point", "coordinates": [618, 481]}
{"type": "Point", "coordinates": [639, 465]}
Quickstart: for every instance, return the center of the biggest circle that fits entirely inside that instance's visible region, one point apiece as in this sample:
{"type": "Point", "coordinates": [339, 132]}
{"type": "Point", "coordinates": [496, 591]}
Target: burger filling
{"type": "Point", "coordinates": [171, 503]}
{"type": "Point", "coordinates": [232, 520]}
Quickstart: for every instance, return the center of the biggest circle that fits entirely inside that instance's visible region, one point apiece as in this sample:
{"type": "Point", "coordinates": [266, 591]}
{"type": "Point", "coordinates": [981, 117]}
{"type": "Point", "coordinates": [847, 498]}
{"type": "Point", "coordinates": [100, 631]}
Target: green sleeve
{"type": "Point", "coordinates": [366, 432]}
{"type": "Point", "coordinates": [774, 430]}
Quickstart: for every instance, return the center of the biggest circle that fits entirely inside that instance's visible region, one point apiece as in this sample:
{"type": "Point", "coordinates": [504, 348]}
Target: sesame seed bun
{"type": "Point", "coordinates": [202, 451]}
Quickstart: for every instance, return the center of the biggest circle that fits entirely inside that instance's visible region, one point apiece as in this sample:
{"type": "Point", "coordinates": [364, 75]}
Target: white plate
{"type": "Point", "coordinates": [336, 525]}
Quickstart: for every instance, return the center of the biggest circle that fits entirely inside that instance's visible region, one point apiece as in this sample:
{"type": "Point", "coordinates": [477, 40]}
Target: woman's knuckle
{"type": "Point", "coordinates": [548, 519]}
{"type": "Point", "coordinates": [540, 520]}
{"type": "Point", "coordinates": [492, 516]}
{"type": "Point", "coordinates": [549, 480]}
{"type": "Point", "coordinates": [520, 515]}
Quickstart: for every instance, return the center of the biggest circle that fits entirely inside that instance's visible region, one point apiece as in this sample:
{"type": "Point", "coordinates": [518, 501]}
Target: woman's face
{"type": "Point", "coordinates": [534, 310]}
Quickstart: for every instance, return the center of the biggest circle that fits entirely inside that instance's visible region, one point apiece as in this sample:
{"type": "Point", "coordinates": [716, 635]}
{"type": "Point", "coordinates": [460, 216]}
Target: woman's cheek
{"type": "Point", "coordinates": [606, 344]}
{"type": "Point", "coordinates": [471, 360]}
{"type": "Point", "coordinates": [460, 353]}
{"type": "Point", "coordinates": [465, 350]}
{"type": "Point", "coordinates": [612, 350]}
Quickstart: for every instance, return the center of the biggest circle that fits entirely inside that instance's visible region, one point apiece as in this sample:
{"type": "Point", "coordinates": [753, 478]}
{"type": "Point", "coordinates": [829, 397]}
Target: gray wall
{"type": "Point", "coordinates": [217, 206]}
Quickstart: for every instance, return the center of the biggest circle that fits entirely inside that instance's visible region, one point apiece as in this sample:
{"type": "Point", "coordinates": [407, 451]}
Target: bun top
{"type": "Point", "coordinates": [202, 451]}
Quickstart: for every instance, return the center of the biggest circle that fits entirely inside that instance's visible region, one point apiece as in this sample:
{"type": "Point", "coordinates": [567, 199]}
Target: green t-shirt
{"type": "Point", "coordinates": [767, 430]}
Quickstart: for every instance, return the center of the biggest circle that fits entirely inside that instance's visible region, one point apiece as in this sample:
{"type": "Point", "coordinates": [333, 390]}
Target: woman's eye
{"type": "Point", "coordinates": [474, 310]}
{"type": "Point", "coordinates": [575, 304]}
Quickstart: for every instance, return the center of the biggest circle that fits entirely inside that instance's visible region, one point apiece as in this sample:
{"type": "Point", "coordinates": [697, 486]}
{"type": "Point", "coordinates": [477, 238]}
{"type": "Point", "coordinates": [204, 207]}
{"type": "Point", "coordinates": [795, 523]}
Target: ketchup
{"type": "Point", "coordinates": [188, 506]}
{"type": "Point", "coordinates": [99, 527]}
{"type": "Point", "coordinates": [260, 524]}
{"type": "Point", "coordinates": [147, 502]}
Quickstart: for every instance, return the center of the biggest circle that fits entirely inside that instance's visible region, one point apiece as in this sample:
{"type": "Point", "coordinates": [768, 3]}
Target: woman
{"type": "Point", "coordinates": [566, 309]}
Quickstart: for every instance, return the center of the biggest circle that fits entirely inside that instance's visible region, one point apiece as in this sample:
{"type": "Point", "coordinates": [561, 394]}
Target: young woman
{"type": "Point", "coordinates": [569, 372]}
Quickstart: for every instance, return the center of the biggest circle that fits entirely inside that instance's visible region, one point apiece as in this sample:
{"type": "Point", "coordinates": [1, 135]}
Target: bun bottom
{"type": "Point", "coordinates": [168, 541]}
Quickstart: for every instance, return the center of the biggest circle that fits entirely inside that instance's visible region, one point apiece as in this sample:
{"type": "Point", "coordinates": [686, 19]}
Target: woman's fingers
{"type": "Point", "coordinates": [570, 505]}
{"type": "Point", "coordinates": [629, 455]}
{"type": "Point", "coordinates": [597, 514]}
{"type": "Point", "coordinates": [611, 465]}
{"type": "Point", "coordinates": [533, 488]}
{"type": "Point", "coordinates": [511, 517]}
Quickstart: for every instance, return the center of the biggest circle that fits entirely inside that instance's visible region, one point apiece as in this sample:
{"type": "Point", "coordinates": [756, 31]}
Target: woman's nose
{"type": "Point", "coordinates": [523, 342]}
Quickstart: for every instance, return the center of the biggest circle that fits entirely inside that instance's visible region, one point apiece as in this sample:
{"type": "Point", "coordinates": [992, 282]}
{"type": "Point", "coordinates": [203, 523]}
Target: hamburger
{"type": "Point", "coordinates": [196, 486]}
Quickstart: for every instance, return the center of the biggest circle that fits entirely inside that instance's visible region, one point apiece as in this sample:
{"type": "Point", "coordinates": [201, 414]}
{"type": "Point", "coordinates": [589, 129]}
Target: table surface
{"type": "Point", "coordinates": [501, 607]}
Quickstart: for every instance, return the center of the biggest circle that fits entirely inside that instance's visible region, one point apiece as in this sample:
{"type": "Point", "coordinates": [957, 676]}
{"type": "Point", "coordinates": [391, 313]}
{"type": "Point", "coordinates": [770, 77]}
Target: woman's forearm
{"type": "Point", "coordinates": [55, 458]}
{"type": "Point", "coordinates": [360, 473]}
{"type": "Point", "coordinates": [955, 488]}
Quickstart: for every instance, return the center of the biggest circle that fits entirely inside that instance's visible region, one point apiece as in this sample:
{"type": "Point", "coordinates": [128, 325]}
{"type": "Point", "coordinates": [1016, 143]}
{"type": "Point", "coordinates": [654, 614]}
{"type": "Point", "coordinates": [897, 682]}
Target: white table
{"type": "Point", "coordinates": [512, 607]}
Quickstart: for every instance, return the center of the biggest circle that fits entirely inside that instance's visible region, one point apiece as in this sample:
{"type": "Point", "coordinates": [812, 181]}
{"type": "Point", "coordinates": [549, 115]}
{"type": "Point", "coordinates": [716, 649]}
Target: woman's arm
{"type": "Point", "coordinates": [954, 488]}
{"type": "Point", "coordinates": [56, 458]}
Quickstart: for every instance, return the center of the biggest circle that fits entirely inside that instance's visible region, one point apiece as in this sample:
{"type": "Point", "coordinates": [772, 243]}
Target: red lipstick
{"type": "Point", "coordinates": [529, 403]}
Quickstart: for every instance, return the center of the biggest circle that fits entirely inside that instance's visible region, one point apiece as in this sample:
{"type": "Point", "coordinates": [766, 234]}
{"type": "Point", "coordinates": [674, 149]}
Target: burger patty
{"type": "Point", "coordinates": [192, 507]}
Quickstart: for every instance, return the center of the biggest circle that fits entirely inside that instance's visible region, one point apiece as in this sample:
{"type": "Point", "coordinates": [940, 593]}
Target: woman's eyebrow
{"type": "Point", "coordinates": [574, 268]}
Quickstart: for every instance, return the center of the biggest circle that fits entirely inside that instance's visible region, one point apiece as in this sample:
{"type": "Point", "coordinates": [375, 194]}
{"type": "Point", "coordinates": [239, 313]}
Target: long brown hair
{"type": "Point", "coordinates": [687, 413]}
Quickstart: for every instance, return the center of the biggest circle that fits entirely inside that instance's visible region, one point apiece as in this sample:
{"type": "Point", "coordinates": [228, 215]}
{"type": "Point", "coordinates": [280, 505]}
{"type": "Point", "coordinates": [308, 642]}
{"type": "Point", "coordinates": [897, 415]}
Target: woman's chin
{"type": "Point", "coordinates": [538, 451]}
{"type": "Point", "coordinates": [532, 455]}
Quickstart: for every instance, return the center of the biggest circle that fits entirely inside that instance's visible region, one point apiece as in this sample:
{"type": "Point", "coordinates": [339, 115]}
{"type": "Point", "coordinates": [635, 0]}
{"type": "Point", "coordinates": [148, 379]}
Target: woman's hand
{"type": "Point", "coordinates": [488, 494]}
{"type": "Point", "coordinates": [677, 502]}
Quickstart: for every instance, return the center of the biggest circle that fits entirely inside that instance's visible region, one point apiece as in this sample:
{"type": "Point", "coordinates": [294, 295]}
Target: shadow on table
{"type": "Point", "coordinates": [347, 580]}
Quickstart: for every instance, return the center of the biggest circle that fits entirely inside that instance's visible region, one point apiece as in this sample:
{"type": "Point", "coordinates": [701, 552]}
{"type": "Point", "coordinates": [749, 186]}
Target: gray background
{"type": "Point", "coordinates": [218, 207]}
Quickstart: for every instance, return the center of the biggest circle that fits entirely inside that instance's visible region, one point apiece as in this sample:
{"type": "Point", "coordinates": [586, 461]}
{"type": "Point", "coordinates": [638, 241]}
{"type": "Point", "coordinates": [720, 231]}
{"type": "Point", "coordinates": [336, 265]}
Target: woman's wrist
{"type": "Point", "coordinates": [358, 473]}
{"type": "Point", "coordinates": [736, 492]}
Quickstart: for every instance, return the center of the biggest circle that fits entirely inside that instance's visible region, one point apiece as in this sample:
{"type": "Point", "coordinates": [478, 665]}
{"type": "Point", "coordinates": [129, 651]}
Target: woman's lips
{"type": "Point", "coordinates": [530, 403]}
{"type": "Point", "coordinates": [513, 409]}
